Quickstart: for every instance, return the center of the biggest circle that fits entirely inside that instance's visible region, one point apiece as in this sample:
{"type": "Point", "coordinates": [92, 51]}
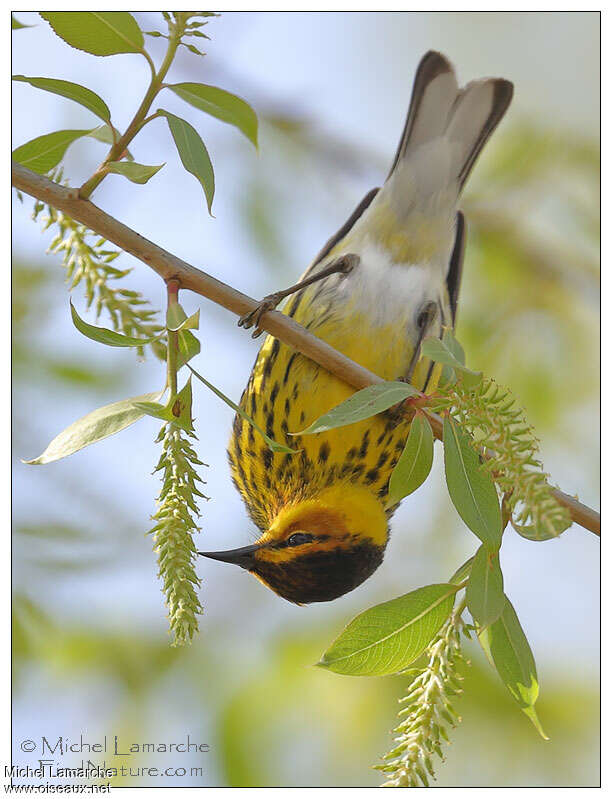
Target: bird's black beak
{"type": "Point", "coordinates": [244, 556]}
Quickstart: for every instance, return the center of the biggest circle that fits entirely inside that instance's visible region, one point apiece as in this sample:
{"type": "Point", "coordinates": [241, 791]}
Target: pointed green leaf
{"type": "Point", "coordinates": [485, 589]}
{"type": "Point", "coordinates": [188, 323]}
{"type": "Point", "coordinates": [387, 638]}
{"type": "Point", "coordinates": [137, 173]}
{"type": "Point", "coordinates": [180, 407]}
{"type": "Point", "coordinates": [44, 152]}
{"type": "Point", "coordinates": [189, 347]}
{"type": "Point", "coordinates": [97, 32]}
{"type": "Point", "coordinates": [483, 640]}
{"type": "Point", "coordinates": [73, 91]}
{"type": "Point", "coordinates": [175, 315]}
{"type": "Point", "coordinates": [95, 426]}
{"type": "Point", "coordinates": [16, 25]}
{"type": "Point", "coordinates": [193, 154]}
{"type": "Point", "coordinates": [192, 48]}
{"type": "Point", "coordinates": [106, 336]}
{"type": "Point", "coordinates": [362, 405]}
{"type": "Point", "coordinates": [471, 487]}
{"type": "Point", "coordinates": [414, 464]}
{"type": "Point", "coordinates": [439, 351]}
{"type": "Point", "coordinates": [274, 445]}
{"type": "Point", "coordinates": [220, 104]}
{"type": "Point", "coordinates": [177, 410]}
{"type": "Point", "coordinates": [462, 572]}
{"type": "Point", "coordinates": [104, 134]}
{"type": "Point", "coordinates": [177, 321]}
{"type": "Point", "coordinates": [531, 714]}
{"type": "Point", "coordinates": [512, 656]}
{"type": "Point", "coordinates": [454, 347]}
{"type": "Point", "coordinates": [155, 409]}
{"type": "Point", "coordinates": [447, 377]}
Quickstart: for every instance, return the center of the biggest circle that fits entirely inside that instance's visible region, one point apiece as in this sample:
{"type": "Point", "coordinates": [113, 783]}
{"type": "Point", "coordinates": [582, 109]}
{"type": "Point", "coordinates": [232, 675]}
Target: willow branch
{"type": "Point", "coordinates": [169, 267]}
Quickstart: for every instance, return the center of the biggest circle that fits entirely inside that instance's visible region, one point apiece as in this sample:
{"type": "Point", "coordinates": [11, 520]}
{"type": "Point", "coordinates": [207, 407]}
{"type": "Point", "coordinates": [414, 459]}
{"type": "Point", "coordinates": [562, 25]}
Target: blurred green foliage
{"type": "Point", "coordinates": [280, 721]}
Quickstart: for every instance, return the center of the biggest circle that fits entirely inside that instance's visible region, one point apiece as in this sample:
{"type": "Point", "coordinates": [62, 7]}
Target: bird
{"type": "Point", "coordinates": [389, 277]}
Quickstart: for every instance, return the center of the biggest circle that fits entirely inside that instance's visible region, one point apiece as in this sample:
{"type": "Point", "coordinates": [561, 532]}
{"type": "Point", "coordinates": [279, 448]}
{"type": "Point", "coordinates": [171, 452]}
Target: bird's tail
{"type": "Point", "coordinates": [447, 127]}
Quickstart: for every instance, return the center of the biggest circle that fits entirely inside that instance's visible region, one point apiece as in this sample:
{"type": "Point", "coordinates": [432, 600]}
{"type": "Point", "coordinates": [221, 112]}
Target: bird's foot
{"type": "Point", "coordinates": [252, 318]}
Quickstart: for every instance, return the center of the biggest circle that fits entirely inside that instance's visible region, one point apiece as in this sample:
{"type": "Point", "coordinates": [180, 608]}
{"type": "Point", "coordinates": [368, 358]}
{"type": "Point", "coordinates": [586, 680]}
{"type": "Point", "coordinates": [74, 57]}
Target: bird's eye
{"type": "Point", "coordinates": [299, 538]}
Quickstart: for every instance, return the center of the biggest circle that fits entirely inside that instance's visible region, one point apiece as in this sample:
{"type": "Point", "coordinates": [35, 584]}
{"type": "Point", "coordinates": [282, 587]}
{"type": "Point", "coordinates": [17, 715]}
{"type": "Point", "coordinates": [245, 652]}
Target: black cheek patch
{"type": "Point", "coordinates": [322, 576]}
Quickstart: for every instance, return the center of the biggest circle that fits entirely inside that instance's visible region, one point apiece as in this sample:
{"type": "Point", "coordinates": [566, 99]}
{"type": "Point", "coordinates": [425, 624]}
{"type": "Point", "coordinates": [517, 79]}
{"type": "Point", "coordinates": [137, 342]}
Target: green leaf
{"type": "Point", "coordinates": [192, 48]}
{"type": "Point", "coordinates": [43, 153]}
{"type": "Point", "coordinates": [451, 343]}
{"type": "Point", "coordinates": [274, 445]}
{"type": "Point", "coordinates": [188, 323]}
{"type": "Point", "coordinates": [440, 351]}
{"type": "Point", "coordinates": [361, 405]}
{"type": "Point", "coordinates": [177, 410]}
{"type": "Point", "coordinates": [471, 487]}
{"type": "Point", "coordinates": [485, 589]}
{"type": "Point", "coordinates": [462, 572]}
{"type": "Point", "coordinates": [414, 464]}
{"type": "Point", "coordinates": [387, 638]}
{"type": "Point", "coordinates": [538, 531]}
{"type": "Point", "coordinates": [104, 134]}
{"type": "Point", "coordinates": [189, 347]}
{"type": "Point", "coordinates": [177, 321]}
{"type": "Point", "coordinates": [73, 91]}
{"type": "Point", "coordinates": [220, 104]}
{"type": "Point", "coordinates": [99, 424]}
{"type": "Point", "coordinates": [16, 25]}
{"type": "Point", "coordinates": [447, 377]}
{"type": "Point", "coordinates": [106, 336]}
{"type": "Point", "coordinates": [175, 316]}
{"type": "Point", "coordinates": [97, 32]}
{"type": "Point", "coordinates": [137, 173]}
{"type": "Point", "coordinates": [512, 656]}
{"type": "Point", "coordinates": [193, 154]}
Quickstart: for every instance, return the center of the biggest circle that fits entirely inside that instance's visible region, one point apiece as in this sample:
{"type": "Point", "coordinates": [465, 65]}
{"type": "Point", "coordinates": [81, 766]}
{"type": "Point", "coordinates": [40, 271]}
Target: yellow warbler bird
{"type": "Point", "coordinates": [389, 277]}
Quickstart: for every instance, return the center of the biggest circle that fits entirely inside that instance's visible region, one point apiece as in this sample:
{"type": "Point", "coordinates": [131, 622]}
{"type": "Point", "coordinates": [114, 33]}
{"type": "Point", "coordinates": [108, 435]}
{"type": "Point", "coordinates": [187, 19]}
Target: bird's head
{"type": "Point", "coordinates": [317, 549]}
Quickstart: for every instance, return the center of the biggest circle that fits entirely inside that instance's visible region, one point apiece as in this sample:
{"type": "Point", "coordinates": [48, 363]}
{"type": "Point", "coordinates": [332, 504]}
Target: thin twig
{"type": "Point", "coordinates": [168, 266]}
{"type": "Point", "coordinates": [172, 287]}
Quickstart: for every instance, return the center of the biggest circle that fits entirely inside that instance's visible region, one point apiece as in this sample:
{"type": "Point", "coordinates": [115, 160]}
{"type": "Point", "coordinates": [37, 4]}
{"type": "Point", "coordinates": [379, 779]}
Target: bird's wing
{"type": "Point", "coordinates": [455, 269]}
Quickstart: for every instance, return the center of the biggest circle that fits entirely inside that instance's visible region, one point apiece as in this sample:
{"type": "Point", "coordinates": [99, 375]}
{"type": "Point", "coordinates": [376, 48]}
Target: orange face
{"type": "Point", "coordinates": [315, 530]}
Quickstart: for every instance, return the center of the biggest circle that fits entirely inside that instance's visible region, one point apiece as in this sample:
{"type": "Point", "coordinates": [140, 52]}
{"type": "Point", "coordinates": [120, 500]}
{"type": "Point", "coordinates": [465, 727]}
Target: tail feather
{"type": "Point", "coordinates": [433, 94]}
{"type": "Point", "coordinates": [447, 127]}
{"type": "Point", "coordinates": [479, 109]}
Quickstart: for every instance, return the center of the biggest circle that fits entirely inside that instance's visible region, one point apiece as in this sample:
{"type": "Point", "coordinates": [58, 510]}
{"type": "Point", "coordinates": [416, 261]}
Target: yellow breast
{"type": "Point", "coordinates": [286, 392]}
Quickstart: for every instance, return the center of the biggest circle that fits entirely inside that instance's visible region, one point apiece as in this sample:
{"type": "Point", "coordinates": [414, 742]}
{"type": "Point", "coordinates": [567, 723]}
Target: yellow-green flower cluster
{"type": "Point", "coordinates": [427, 712]}
{"type": "Point", "coordinates": [90, 263]}
{"type": "Point", "coordinates": [174, 530]}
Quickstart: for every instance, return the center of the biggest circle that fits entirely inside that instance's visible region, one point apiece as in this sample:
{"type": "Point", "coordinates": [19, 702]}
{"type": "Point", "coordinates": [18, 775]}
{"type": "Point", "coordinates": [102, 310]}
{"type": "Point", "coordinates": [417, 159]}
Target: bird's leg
{"type": "Point", "coordinates": [344, 264]}
{"type": "Point", "coordinates": [426, 316]}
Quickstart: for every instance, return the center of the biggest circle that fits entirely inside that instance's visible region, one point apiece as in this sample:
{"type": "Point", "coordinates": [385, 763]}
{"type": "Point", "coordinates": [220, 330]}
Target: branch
{"type": "Point", "coordinates": [170, 267]}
